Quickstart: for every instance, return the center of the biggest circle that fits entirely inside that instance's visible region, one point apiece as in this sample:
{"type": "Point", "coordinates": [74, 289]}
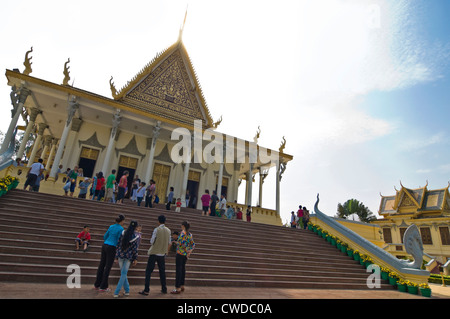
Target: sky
{"type": "Point", "coordinates": [360, 89]}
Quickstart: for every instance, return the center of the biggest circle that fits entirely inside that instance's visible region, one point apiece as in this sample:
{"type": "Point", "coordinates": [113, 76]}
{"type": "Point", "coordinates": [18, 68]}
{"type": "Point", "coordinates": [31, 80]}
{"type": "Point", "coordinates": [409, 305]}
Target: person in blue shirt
{"type": "Point", "coordinates": [111, 239]}
{"type": "Point", "coordinates": [169, 198]}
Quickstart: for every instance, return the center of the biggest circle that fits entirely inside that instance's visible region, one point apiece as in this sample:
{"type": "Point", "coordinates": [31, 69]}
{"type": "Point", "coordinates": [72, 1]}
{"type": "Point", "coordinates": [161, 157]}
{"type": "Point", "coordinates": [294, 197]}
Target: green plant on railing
{"type": "Point", "coordinates": [386, 273]}
{"type": "Point", "coordinates": [437, 279]}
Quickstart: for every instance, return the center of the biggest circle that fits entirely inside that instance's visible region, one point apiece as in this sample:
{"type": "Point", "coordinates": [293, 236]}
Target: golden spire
{"type": "Point", "coordinates": [182, 26]}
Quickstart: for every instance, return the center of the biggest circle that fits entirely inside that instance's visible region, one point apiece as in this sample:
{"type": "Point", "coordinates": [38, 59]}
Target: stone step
{"type": "Point", "coordinates": [208, 244]}
{"type": "Point", "coordinates": [51, 227]}
{"type": "Point", "coordinates": [200, 254]}
{"type": "Point", "coordinates": [216, 282]}
{"type": "Point", "coordinates": [37, 244]}
{"type": "Point", "coordinates": [195, 264]}
{"type": "Point", "coordinates": [139, 274]}
{"type": "Point", "coordinates": [90, 255]}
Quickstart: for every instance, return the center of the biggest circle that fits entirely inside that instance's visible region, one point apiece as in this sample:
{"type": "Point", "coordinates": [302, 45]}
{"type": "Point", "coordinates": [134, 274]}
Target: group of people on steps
{"type": "Point", "coordinates": [122, 245]}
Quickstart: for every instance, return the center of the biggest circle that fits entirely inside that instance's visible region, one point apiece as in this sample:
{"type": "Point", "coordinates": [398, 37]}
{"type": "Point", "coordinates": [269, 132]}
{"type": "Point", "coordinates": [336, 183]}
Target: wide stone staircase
{"type": "Point", "coordinates": [38, 232]}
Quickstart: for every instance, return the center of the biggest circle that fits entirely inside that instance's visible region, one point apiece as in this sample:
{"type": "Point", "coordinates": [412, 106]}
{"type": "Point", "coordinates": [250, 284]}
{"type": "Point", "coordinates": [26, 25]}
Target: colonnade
{"type": "Point", "coordinates": [57, 145]}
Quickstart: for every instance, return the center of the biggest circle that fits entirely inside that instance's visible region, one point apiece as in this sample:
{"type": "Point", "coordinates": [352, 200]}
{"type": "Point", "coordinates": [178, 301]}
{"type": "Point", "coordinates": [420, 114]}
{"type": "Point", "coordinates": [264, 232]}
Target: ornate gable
{"type": "Point", "coordinates": [168, 87]}
{"type": "Point", "coordinates": [407, 199]}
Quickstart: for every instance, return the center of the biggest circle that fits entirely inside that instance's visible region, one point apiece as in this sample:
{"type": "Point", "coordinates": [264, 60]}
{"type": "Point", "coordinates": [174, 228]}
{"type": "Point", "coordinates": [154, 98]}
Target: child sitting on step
{"type": "Point", "coordinates": [83, 238]}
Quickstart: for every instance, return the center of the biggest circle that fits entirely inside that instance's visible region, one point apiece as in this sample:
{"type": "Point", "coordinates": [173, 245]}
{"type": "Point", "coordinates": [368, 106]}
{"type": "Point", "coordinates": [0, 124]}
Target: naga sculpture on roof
{"type": "Point", "coordinates": [113, 88]}
{"type": "Point", "coordinates": [283, 145]}
{"type": "Point", "coordinates": [27, 63]}
{"type": "Point", "coordinates": [66, 72]}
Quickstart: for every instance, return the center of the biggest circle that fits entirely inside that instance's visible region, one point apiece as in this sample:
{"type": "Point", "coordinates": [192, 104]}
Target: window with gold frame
{"type": "Point", "coordinates": [128, 162]}
{"type": "Point", "coordinates": [89, 153]}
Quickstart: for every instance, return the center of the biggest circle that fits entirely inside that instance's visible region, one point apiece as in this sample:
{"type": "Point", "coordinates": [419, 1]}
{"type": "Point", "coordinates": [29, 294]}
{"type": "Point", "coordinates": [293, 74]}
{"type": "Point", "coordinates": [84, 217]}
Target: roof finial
{"type": "Point", "coordinates": [28, 62]}
{"type": "Point", "coordinates": [66, 73]}
{"type": "Point", "coordinates": [182, 27]}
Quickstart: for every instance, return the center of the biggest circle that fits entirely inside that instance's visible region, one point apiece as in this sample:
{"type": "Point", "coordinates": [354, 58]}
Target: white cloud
{"type": "Point", "coordinates": [303, 65]}
{"type": "Point", "coordinates": [422, 142]}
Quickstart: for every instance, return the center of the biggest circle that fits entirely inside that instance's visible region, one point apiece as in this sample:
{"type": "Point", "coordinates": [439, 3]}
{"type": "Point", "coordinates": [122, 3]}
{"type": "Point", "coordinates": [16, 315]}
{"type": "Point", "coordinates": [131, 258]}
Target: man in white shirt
{"type": "Point", "coordinates": [35, 170]}
{"type": "Point", "coordinates": [222, 205]}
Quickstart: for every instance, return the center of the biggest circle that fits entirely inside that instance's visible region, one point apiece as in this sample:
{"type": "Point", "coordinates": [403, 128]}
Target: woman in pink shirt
{"type": "Point", "coordinates": [206, 198]}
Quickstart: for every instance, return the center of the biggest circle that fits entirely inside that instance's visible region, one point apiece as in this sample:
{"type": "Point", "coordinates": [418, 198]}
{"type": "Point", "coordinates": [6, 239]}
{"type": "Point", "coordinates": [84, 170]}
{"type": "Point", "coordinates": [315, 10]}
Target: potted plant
{"type": "Point", "coordinates": [350, 252]}
{"type": "Point", "coordinates": [356, 255]}
{"type": "Point", "coordinates": [319, 231]}
{"type": "Point", "coordinates": [344, 247]}
{"type": "Point", "coordinates": [367, 261]}
{"type": "Point", "coordinates": [14, 181]}
{"type": "Point", "coordinates": [361, 259]}
{"type": "Point", "coordinates": [413, 288]}
{"type": "Point", "coordinates": [3, 187]}
{"type": "Point", "coordinates": [333, 240]}
{"type": "Point", "coordinates": [393, 278]}
{"type": "Point", "coordinates": [384, 273]}
{"type": "Point", "coordinates": [425, 290]}
{"type": "Point", "coordinates": [401, 285]}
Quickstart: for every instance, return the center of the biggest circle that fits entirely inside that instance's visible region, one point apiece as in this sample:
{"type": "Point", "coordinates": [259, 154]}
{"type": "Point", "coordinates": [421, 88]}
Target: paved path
{"type": "Point", "coordinates": [53, 291]}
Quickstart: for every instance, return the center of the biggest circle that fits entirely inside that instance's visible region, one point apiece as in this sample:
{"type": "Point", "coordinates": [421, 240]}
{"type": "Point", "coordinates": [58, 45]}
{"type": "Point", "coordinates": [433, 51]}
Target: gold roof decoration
{"type": "Point", "coordinates": [217, 123]}
{"type": "Point", "coordinates": [416, 201]}
{"type": "Point", "coordinates": [113, 88]}
{"type": "Point", "coordinates": [66, 73]}
{"type": "Point", "coordinates": [27, 63]}
{"type": "Point", "coordinates": [283, 145]}
{"type": "Point", "coordinates": [167, 86]}
{"type": "Point", "coordinates": [258, 133]}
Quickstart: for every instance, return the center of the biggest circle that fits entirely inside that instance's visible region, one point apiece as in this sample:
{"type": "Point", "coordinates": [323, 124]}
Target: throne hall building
{"type": "Point", "coordinates": [133, 131]}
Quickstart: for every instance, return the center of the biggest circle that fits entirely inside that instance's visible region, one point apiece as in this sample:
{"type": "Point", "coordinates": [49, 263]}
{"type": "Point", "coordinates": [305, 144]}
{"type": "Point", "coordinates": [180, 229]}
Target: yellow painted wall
{"type": "Point", "coordinates": [368, 231]}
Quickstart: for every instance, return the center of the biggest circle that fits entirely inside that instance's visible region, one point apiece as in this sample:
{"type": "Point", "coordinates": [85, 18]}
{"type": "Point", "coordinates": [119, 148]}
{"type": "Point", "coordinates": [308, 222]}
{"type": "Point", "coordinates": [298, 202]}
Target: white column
{"type": "Point", "coordinates": [220, 177]}
{"type": "Point", "coordinates": [47, 142]}
{"type": "Point", "coordinates": [187, 164]}
{"type": "Point", "coordinates": [249, 185]}
{"type": "Point", "coordinates": [262, 176]}
{"type": "Point", "coordinates": [69, 145]}
{"type": "Point", "coordinates": [37, 143]}
{"type": "Point", "coordinates": [18, 98]}
{"type": "Point", "coordinates": [151, 154]}
{"type": "Point", "coordinates": [34, 113]}
{"type": "Point", "coordinates": [112, 140]}
{"type": "Point", "coordinates": [72, 108]}
{"type": "Point", "coordinates": [52, 151]}
{"type": "Point", "coordinates": [219, 180]}
{"type": "Point", "coordinates": [184, 185]}
{"type": "Point", "coordinates": [281, 167]}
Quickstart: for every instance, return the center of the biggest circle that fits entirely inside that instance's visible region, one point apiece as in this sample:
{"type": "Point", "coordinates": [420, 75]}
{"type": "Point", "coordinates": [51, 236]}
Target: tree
{"type": "Point", "coordinates": [353, 206]}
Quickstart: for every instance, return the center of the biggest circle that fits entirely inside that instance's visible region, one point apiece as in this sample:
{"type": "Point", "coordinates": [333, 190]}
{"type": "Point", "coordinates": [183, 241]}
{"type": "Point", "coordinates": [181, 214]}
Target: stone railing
{"type": "Point", "coordinates": [378, 255]}
{"type": "Point", "coordinates": [260, 214]}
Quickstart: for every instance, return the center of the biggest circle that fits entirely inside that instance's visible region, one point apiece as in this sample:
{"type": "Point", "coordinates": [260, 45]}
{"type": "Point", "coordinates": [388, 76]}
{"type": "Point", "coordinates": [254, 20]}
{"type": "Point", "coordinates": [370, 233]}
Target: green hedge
{"type": "Point", "coordinates": [437, 279]}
